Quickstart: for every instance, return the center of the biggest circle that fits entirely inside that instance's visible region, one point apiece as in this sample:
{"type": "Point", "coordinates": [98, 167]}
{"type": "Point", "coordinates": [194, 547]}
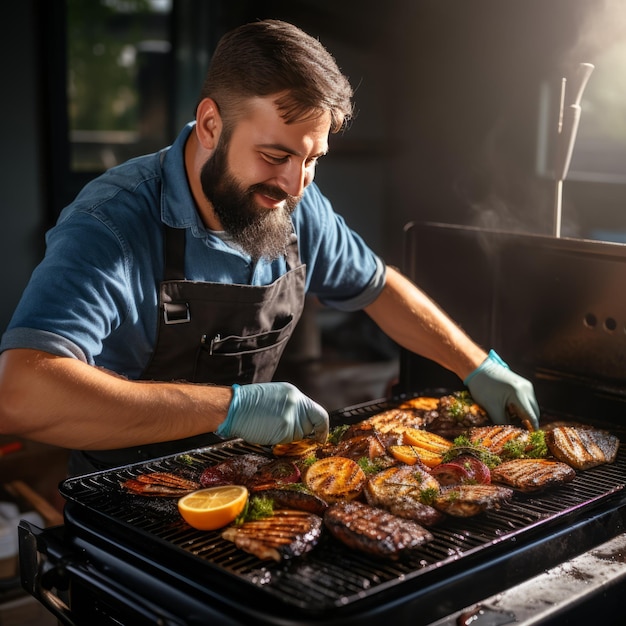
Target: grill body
{"type": "Point", "coordinates": [552, 309]}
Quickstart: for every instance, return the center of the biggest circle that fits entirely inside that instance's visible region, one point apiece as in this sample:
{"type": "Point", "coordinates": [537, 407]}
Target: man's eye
{"type": "Point", "coordinates": [274, 160]}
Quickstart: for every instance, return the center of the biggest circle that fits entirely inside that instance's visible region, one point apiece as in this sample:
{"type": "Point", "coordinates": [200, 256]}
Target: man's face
{"type": "Point", "coordinates": [255, 177]}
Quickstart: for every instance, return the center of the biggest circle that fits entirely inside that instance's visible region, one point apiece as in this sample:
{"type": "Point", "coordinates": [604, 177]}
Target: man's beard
{"type": "Point", "coordinates": [258, 231]}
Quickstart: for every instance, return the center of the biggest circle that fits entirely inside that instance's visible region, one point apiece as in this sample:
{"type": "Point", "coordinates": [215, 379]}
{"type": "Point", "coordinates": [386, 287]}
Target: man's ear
{"type": "Point", "coordinates": [208, 123]}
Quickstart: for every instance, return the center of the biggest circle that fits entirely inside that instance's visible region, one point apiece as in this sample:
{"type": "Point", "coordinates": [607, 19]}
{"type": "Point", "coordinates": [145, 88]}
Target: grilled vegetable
{"type": "Point", "coordinates": [414, 454]}
{"type": "Point", "coordinates": [335, 478]}
{"type": "Point", "coordinates": [464, 469]}
{"type": "Point", "coordinates": [426, 440]}
{"type": "Point", "coordinates": [374, 531]}
{"type": "Point", "coordinates": [532, 474]}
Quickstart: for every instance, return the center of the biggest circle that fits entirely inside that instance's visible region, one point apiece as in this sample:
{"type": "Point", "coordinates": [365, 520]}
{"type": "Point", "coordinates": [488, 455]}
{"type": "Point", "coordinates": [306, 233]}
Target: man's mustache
{"type": "Point", "coordinates": [276, 193]}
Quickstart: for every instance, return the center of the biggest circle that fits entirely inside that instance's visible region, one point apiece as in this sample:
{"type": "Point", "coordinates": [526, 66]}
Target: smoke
{"type": "Point", "coordinates": [602, 24]}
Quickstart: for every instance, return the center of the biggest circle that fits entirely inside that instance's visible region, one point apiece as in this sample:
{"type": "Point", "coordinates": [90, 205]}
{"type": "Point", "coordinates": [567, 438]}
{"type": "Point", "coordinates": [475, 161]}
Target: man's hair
{"type": "Point", "coordinates": [271, 57]}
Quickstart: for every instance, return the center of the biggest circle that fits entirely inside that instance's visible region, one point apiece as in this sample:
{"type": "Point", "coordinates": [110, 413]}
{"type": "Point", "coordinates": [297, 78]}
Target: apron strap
{"type": "Point", "coordinates": [174, 253]}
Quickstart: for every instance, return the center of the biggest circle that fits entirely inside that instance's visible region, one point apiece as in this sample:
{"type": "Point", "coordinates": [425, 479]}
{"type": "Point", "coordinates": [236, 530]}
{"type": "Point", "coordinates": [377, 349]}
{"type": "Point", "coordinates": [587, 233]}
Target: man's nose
{"type": "Point", "coordinates": [293, 178]}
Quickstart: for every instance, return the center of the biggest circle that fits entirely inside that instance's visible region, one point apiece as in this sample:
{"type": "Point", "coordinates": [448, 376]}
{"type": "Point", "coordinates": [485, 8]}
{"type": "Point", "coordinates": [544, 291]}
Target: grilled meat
{"type": "Point", "coordinates": [335, 478]}
{"type": "Point", "coordinates": [401, 489]}
{"type": "Point", "coordinates": [496, 438]}
{"type": "Point", "coordinates": [394, 421]}
{"type": "Point", "coordinates": [162, 484]}
{"type": "Point", "coordinates": [286, 534]}
{"type": "Point", "coordinates": [582, 447]}
{"type": "Point", "coordinates": [469, 500]}
{"type": "Point", "coordinates": [454, 415]}
{"type": "Point", "coordinates": [254, 471]}
{"type": "Point", "coordinates": [234, 471]}
{"type": "Point", "coordinates": [286, 498]}
{"type": "Point", "coordinates": [373, 530]}
{"type": "Point", "coordinates": [355, 448]}
{"type": "Point", "coordinates": [532, 474]}
{"type": "Point", "coordinates": [273, 474]}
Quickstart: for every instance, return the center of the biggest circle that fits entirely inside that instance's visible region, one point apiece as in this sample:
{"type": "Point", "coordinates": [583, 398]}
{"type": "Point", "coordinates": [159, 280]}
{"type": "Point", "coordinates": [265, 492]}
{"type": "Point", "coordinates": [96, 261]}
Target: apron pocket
{"type": "Point", "coordinates": [241, 359]}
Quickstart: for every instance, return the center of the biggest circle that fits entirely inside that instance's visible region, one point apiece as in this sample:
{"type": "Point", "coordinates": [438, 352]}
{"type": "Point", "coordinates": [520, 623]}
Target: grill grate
{"type": "Point", "coordinates": [331, 575]}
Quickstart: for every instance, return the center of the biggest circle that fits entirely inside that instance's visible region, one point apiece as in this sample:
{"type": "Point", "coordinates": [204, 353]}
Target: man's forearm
{"type": "Point", "coordinates": [65, 402]}
{"type": "Point", "coordinates": [416, 323]}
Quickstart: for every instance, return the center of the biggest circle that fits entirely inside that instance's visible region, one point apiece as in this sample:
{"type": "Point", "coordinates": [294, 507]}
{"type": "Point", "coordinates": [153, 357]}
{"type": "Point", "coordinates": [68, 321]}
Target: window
{"type": "Point", "coordinates": [119, 77]}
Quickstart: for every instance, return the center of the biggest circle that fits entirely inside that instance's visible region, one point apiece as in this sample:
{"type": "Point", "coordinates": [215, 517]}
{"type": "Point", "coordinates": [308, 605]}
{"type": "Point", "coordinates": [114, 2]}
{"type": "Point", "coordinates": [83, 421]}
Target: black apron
{"type": "Point", "coordinates": [211, 333]}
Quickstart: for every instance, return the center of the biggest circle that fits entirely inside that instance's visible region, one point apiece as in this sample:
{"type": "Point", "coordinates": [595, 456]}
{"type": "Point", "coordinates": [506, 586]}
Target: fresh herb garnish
{"type": "Point", "coordinates": [336, 433]}
{"type": "Point", "coordinates": [535, 447]}
{"type": "Point", "coordinates": [371, 466]}
{"type": "Point", "coordinates": [464, 445]}
{"type": "Point", "coordinates": [256, 508]}
{"type": "Point", "coordinates": [428, 496]}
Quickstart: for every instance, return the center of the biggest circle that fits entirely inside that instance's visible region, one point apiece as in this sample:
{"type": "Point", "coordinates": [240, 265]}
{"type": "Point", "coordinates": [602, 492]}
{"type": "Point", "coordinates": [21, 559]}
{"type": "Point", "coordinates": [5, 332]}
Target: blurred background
{"type": "Point", "coordinates": [457, 114]}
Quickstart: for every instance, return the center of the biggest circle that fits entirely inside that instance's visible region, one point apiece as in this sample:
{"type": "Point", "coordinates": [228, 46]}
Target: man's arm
{"type": "Point", "coordinates": [65, 402]}
{"type": "Point", "coordinates": [415, 322]}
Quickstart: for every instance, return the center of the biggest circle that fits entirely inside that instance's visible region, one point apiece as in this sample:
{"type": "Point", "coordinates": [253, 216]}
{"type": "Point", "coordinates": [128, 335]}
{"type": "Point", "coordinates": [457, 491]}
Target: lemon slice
{"type": "Point", "coordinates": [214, 507]}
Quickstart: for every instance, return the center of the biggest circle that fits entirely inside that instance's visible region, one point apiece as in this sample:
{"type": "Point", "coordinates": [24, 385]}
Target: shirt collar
{"type": "Point", "coordinates": [178, 208]}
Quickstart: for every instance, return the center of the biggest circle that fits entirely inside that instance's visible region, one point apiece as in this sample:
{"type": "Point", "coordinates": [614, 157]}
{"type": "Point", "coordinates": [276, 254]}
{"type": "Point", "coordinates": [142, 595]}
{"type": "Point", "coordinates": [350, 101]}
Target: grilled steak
{"type": "Point", "coordinates": [373, 530]}
{"type": "Point", "coordinates": [469, 500]}
{"type": "Point", "coordinates": [532, 474]}
{"type": "Point", "coordinates": [358, 447]}
{"type": "Point", "coordinates": [582, 447]}
{"type": "Point", "coordinates": [284, 535]}
{"type": "Point", "coordinates": [286, 498]}
{"type": "Point", "coordinates": [252, 470]}
{"type": "Point", "coordinates": [455, 415]}
{"type": "Point", "coordinates": [234, 471]}
{"type": "Point", "coordinates": [400, 491]}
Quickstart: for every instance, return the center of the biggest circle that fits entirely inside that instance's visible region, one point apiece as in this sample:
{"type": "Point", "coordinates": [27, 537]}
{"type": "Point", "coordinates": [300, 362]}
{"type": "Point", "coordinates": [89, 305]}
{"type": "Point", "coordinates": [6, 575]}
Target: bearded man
{"type": "Point", "coordinates": [172, 283]}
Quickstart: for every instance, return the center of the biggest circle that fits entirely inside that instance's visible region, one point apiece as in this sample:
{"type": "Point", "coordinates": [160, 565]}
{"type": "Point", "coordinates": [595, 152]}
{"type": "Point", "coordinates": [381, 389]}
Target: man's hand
{"type": "Point", "coordinates": [502, 393]}
{"type": "Point", "coordinates": [271, 413]}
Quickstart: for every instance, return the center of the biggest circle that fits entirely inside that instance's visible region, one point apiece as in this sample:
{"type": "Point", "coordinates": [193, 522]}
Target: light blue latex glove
{"type": "Point", "coordinates": [271, 413]}
{"type": "Point", "coordinates": [502, 393]}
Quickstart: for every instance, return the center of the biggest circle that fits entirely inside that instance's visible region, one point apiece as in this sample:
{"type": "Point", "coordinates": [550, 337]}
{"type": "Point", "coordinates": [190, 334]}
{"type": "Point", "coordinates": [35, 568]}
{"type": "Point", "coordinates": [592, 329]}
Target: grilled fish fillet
{"type": "Point", "coordinates": [400, 490]}
{"type": "Point", "coordinates": [469, 500]}
{"type": "Point", "coordinates": [286, 534]}
{"type": "Point", "coordinates": [373, 530]}
{"type": "Point", "coordinates": [582, 447]}
{"type": "Point", "coordinates": [532, 474]}
{"type": "Point", "coordinates": [395, 421]}
{"type": "Point", "coordinates": [495, 438]}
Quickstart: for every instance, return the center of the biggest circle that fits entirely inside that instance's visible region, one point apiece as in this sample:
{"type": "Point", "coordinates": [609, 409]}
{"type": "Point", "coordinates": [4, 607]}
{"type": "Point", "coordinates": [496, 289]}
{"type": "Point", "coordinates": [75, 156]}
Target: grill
{"type": "Point", "coordinates": [123, 559]}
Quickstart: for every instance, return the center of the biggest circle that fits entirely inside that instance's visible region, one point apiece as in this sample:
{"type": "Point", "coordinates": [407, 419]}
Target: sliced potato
{"type": "Point", "coordinates": [335, 479]}
{"type": "Point", "coordinates": [424, 403]}
{"type": "Point", "coordinates": [412, 454]}
{"type": "Point", "coordinates": [299, 449]}
{"type": "Point", "coordinates": [427, 440]}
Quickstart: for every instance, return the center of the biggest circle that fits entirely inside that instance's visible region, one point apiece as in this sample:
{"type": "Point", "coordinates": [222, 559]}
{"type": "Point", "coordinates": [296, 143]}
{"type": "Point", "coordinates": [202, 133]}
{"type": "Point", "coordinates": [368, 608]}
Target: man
{"type": "Point", "coordinates": [172, 283]}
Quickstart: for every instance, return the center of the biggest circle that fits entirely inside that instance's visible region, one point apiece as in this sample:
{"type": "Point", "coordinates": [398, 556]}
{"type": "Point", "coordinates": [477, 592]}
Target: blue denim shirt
{"type": "Point", "coordinates": [94, 296]}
